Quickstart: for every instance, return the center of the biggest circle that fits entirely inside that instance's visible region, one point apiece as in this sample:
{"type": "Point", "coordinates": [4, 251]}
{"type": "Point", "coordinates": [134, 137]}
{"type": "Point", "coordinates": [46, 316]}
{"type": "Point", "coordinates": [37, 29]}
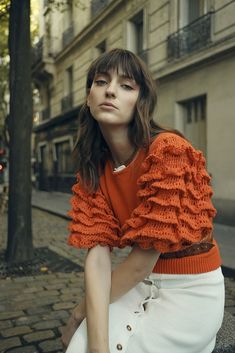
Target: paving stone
{"type": "Point", "coordinates": [225, 342]}
{"type": "Point", "coordinates": [47, 293]}
{"type": "Point", "coordinates": [24, 297]}
{"type": "Point", "coordinates": [15, 331]}
{"type": "Point", "coordinates": [38, 336]}
{"type": "Point", "coordinates": [46, 324]}
{"type": "Point", "coordinates": [10, 314]}
{"type": "Point", "coordinates": [9, 343]}
{"type": "Point", "coordinates": [63, 305]}
{"type": "Point", "coordinates": [46, 277]}
{"type": "Point", "coordinates": [6, 293]}
{"type": "Point", "coordinates": [55, 286]}
{"type": "Point", "coordinates": [26, 320]}
{"type": "Point", "coordinates": [68, 275]}
{"type": "Point", "coordinates": [28, 349]}
{"type": "Point", "coordinates": [61, 329]}
{"type": "Point", "coordinates": [70, 297]}
{"type": "Point", "coordinates": [57, 315]}
{"type": "Point", "coordinates": [9, 285]}
{"type": "Point", "coordinates": [51, 345]}
{"type": "Point", "coordinates": [229, 302]}
{"type": "Point", "coordinates": [71, 290]}
{"type": "Point", "coordinates": [24, 279]}
{"type": "Point", "coordinates": [38, 310]}
{"type": "Point", "coordinates": [36, 303]}
{"type": "Point", "coordinates": [231, 310]}
{"type": "Point", "coordinates": [32, 289]}
{"type": "Point", "coordinates": [5, 324]}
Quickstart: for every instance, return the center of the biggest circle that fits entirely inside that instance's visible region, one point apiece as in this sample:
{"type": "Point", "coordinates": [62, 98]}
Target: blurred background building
{"type": "Point", "coordinates": [189, 46]}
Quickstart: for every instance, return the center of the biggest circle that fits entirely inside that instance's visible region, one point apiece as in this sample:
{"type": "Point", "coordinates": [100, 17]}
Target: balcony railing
{"type": "Point", "coordinates": [37, 52]}
{"type": "Point", "coordinates": [188, 39]}
{"type": "Point", "coordinates": [67, 103]}
{"type": "Point", "coordinates": [68, 35]}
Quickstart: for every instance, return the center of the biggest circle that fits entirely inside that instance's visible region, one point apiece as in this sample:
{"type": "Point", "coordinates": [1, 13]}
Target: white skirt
{"type": "Point", "coordinates": [164, 314]}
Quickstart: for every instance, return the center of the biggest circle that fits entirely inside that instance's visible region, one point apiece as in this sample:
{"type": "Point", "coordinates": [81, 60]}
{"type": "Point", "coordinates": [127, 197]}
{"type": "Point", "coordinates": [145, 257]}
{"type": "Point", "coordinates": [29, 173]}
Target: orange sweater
{"type": "Point", "coordinates": [161, 200]}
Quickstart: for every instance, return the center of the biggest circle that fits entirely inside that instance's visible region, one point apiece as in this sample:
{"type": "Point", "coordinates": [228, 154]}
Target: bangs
{"type": "Point", "coordinates": [119, 60]}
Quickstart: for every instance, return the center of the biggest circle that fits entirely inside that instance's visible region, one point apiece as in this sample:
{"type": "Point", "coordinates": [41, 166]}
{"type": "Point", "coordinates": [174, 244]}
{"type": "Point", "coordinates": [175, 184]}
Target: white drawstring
{"type": "Point", "coordinates": [153, 293]}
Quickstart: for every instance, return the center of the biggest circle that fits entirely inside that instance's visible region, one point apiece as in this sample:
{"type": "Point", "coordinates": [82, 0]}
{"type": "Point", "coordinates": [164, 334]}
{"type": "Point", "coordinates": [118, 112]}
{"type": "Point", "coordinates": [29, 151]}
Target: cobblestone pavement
{"type": "Point", "coordinates": [34, 309]}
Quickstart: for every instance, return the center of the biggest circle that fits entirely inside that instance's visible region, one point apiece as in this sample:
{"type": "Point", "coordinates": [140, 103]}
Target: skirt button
{"type": "Point", "coordinates": [119, 347]}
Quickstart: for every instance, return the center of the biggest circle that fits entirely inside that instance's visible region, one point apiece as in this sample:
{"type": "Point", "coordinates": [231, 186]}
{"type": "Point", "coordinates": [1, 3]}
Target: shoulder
{"type": "Point", "coordinates": [167, 141]}
{"type": "Point", "coordinates": [171, 151]}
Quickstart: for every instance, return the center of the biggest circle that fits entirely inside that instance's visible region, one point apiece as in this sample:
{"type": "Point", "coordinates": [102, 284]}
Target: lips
{"type": "Point", "coordinates": [108, 104]}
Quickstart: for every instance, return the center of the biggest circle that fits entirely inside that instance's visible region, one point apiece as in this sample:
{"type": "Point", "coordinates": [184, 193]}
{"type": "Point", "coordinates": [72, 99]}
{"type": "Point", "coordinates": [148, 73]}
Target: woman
{"type": "Point", "coordinates": [141, 186]}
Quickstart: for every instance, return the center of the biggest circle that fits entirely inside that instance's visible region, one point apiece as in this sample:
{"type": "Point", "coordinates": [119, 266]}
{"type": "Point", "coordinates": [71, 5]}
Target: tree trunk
{"type": "Point", "coordinates": [19, 244]}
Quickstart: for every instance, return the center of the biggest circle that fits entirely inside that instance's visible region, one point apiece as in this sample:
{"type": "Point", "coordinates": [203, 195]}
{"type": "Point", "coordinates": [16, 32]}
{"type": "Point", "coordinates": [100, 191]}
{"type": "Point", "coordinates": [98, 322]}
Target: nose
{"type": "Point", "coordinates": [111, 89]}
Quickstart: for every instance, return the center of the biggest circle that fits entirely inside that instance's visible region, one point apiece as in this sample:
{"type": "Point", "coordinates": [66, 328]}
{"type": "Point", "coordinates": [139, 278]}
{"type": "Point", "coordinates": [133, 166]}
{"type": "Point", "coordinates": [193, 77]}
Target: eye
{"type": "Point", "coordinates": [127, 87]}
{"type": "Point", "coordinates": [100, 82]}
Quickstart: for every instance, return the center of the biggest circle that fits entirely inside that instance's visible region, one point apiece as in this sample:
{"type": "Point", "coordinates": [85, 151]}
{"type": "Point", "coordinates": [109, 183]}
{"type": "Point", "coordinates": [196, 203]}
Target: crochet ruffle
{"type": "Point", "coordinates": [175, 207]}
{"type": "Point", "coordinates": [92, 220]}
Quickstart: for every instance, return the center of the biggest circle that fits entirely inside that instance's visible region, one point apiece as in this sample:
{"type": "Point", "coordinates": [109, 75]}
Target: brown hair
{"type": "Point", "coordinates": [91, 150]}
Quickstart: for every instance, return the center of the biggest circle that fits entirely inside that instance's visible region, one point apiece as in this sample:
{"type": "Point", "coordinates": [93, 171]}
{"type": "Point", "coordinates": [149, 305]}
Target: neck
{"type": "Point", "coordinates": [119, 144]}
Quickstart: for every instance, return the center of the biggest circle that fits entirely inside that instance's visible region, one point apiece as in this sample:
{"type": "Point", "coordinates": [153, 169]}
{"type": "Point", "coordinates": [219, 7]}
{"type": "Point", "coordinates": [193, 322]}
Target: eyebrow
{"type": "Point", "coordinates": [106, 73]}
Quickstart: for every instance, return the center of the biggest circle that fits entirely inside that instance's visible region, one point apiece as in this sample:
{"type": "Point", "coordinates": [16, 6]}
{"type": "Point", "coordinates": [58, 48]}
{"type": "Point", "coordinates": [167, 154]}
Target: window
{"type": "Point", "coordinates": [195, 23]}
{"type": "Point", "coordinates": [191, 120]}
{"type": "Point", "coordinates": [135, 35]}
{"type": "Point", "coordinates": [63, 157]}
{"type": "Point", "coordinates": [68, 33]}
{"type": "Point", "coordinates": [43, 158]}
{"type": "Point", "coordinates": [68, 80]}
{"type": "Point", "coordinates": [68, 14]}
{"type": "Point", "coordinates": [190, 10]}
{"type": "Point", "coordinates": [46, 97]}
{"type": "Point", "coordinates": [67, 100]}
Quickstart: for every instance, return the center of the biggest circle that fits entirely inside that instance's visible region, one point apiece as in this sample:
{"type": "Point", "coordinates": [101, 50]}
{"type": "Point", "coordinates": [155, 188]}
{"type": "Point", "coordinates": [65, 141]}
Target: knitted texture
{"type": "Point", "coordinates": [175, 208]}
{"type": "Point", "coordinates": [92, 220]}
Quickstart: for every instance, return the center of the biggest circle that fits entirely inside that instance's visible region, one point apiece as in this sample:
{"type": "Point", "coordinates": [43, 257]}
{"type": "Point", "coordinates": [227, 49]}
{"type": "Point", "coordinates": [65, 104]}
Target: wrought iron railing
{"type": "Point", "coordinates": [66, 103]}
{"type": "Point", "coordinates": [37, 52]}
{"type": "Point", "coordinates": [68, 35]}
{"type": "Point", "coordinates": [190, 38]}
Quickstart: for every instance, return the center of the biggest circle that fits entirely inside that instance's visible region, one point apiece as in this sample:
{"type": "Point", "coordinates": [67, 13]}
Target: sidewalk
{"type": "Point", "coordinates": [58, 203]}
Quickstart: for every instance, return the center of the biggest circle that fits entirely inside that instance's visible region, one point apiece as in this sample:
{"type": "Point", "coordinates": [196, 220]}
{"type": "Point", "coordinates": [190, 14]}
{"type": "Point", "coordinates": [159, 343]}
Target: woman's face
{"type": "Point", "coordinates": [112, 98]}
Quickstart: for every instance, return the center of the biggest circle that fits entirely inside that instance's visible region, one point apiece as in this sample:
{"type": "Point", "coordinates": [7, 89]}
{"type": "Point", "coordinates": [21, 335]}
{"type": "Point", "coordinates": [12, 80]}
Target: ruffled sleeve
{"type": "Point", "coordinates": [175, 208]}
{"type": "Point", "coordinates": [93, 221]}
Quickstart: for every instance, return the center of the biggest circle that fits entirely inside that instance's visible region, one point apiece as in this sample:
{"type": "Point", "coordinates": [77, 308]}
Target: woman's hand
{"type": "Point", "coordinates": [73, 323]}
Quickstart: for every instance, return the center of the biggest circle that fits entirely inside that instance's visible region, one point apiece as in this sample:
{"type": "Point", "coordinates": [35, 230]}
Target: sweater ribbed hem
{"type": "Point", "coordinates": [201, 263]}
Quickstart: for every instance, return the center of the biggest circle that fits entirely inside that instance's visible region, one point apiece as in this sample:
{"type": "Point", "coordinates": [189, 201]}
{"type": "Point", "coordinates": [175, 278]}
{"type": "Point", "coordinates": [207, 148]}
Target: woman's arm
{"type": "Point", "coordinates": [137, 266]}
{"type": "Point", "coordinates": [97, 287]}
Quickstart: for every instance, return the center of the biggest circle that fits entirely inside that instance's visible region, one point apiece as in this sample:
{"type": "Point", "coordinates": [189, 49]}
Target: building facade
{"type": "Point", "coordinates": [189, 46]}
